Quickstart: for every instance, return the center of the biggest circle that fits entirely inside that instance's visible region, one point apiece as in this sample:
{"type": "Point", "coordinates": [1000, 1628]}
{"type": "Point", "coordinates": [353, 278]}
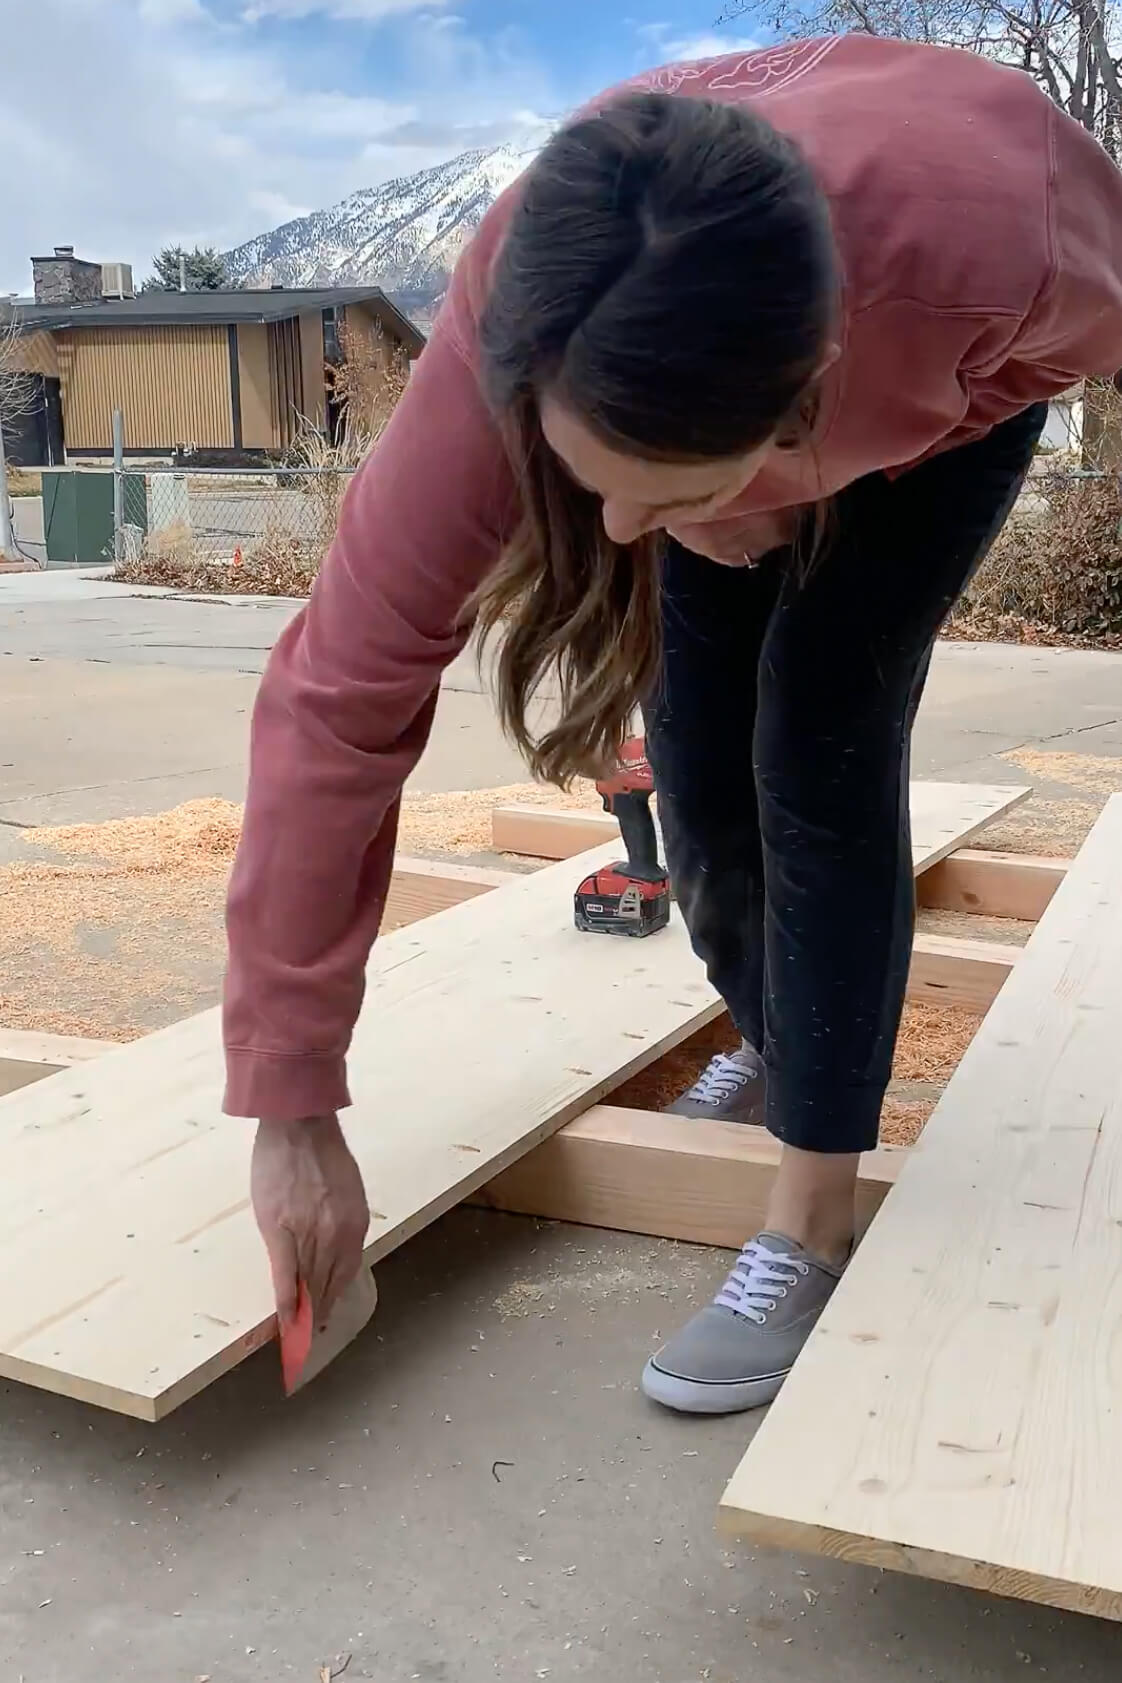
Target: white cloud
{"type": "Point", "coordinates": [170, 11]}
{"type": "Point", "coordinates": [707, 46]}
{"type": "Point", "coordinates": [368, 11]}
{"type": "Point", "coordinates": [661, 42]}
{"type": "Point", "coordinates": [165, 124]}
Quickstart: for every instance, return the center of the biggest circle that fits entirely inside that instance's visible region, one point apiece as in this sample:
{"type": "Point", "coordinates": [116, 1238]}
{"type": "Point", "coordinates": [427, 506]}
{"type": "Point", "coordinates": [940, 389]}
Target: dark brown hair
{"type": "Point", "coordinates": [668, 275]}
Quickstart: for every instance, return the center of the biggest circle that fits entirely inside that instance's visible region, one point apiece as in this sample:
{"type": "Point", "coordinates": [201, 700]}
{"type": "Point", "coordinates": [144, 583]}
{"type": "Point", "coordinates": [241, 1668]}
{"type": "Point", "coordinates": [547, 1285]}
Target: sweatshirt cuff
{"type": "Point", "coordinates": [282, 1087]}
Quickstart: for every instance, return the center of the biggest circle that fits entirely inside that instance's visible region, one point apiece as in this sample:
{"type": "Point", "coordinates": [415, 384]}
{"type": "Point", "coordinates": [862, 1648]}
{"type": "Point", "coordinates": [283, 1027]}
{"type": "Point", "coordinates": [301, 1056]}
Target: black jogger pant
{"type": "Point", "coordinates": [780, 745]}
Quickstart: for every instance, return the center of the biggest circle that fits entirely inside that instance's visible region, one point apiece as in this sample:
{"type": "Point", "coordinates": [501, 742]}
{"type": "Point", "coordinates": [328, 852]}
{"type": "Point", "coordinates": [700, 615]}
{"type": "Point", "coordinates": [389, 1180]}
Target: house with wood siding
{"type": "Point", "coordinates": [227, 374]}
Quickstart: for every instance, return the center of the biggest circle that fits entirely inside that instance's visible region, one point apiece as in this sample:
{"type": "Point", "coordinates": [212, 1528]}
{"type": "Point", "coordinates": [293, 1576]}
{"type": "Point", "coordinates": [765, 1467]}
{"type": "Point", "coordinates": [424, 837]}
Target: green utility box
{"type": "Point", "coordinates": [78, 513]}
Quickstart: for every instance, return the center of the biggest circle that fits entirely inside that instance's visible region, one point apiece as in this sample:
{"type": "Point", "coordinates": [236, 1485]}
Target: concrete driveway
{"type": "Point", "coordinates": [476, 1490]}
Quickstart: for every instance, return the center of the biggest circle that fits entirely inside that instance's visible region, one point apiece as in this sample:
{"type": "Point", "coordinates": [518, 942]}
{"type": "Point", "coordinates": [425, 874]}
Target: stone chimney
{"type": "Point", "coordinates": [66, 279]}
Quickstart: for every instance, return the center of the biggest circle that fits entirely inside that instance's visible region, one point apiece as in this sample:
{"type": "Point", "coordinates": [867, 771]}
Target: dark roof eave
{"type": "Point", "coordinates": [262, 309]}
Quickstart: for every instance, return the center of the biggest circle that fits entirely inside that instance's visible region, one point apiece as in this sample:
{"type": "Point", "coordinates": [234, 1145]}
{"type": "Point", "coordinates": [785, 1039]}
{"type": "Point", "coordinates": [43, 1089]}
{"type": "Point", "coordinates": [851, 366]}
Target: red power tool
{"type": "Point", "coordinates": [633, 896]}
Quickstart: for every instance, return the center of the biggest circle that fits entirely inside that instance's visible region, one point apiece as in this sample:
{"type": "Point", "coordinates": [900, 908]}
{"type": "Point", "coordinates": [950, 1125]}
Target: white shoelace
{"type": "Point", "coordinates": [722, 1076]}
{"type": "Point", "coordinates": [760, 1278]}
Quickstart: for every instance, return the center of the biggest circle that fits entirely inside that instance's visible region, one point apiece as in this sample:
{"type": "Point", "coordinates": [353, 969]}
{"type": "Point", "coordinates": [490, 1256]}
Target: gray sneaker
{"type": "Point", "coordinates": [730, 1088]}
{"type": "Point", "coordinates": [736, 1353]}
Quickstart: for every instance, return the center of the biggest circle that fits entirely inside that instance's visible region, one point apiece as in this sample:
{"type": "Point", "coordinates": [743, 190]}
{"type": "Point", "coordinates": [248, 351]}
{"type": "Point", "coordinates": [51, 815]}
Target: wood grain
{"type": "Point", "coordinates": [955, 970]}
{"type": "Point", "coordinates": [944, 816]}
{"type": "Point", "coordinates": [30, 1047]}
{"type": "Point", "coordinates": [972, 1356]}
{"type": "Point", "coordinates": [123, 1191]}
{"type": "Point", "coordinates": [542, 832]}
{"type": "Point", "coordinates": [681, 1178]}
{"type": "Point", "coordinates": [1016, 885]}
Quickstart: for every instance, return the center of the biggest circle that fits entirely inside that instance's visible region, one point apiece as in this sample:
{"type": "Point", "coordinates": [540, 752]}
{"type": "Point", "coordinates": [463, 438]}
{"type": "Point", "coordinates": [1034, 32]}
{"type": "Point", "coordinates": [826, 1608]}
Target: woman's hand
{"type": "Point", "coordinates": [311, 1207]}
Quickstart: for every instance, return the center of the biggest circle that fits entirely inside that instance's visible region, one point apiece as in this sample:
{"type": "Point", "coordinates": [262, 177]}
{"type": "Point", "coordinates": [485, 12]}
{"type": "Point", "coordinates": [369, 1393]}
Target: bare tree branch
{"type": "Point", "coordinates": [1105, 65]}
{"type": "Point", "coordinates": [17, 388]}
{"type": "Point", "coordinates": [1064, 44]}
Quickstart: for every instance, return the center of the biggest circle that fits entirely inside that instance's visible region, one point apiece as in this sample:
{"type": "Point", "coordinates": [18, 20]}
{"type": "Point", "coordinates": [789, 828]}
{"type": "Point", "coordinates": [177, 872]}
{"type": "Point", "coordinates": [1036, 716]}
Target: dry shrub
{"type": "Point", "coordinates": [275, 564]}
{"type": "Point", "coordinates": [369, 382]}
{"type": "Point", "coordinates": [1055, 573]}
{"type": "Point", "coordinates": [24, 482]}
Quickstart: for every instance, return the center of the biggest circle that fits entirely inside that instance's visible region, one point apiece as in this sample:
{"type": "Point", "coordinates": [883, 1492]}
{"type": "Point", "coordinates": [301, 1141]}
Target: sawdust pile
{"type": "Point", "coordinates": [1097, 774]}
{"type": "Point", "coordinates": [123, 932]}
{"type": "Point", "coordinates": [198, 837]}
{"type": "Point", "coordinates": [460, 822]}
{"type": "Point", "coordinates": [902, 1121]}
{"type": "Point", "coordinates": [1044, 826]}
{"type": "Point", "coordinates": [1047, 824]}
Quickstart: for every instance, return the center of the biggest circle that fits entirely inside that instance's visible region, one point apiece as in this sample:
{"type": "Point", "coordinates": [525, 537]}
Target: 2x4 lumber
{"type": "Point", "coordinates": [1015, 885]}
{"type": "Point", "coordinates": [969, 1355]}
{"type": "Point", "coordinates": [954, 970]}
{"type": "Point", "coordinates": [638, 1171]}
{"type": "Point", "coordinates": [541, 832]}
{"type": "Point", "coordinates": [124, 1210]}
{"type": "Point", "coordinates": [957, 810]}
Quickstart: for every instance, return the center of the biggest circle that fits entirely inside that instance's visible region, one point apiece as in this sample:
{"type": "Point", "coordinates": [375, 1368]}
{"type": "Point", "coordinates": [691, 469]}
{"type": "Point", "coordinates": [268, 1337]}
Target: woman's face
{"type": "Point", "coordinates": [640, 496]}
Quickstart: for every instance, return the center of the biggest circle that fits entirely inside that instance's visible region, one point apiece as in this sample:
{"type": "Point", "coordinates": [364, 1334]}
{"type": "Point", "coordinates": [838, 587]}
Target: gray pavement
{"type": "Point", "coordinates": [476, 1490]}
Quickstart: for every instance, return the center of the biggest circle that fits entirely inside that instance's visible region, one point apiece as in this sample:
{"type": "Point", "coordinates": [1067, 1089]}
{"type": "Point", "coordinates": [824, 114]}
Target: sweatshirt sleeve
{"type": "Point", "coordinates": [342, 715]}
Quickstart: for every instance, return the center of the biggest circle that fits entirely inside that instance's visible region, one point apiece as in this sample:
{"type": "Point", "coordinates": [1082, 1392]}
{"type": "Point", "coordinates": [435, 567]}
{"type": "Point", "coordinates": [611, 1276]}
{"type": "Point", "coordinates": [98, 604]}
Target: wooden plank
{"type": "Point", "coordinates": [1017, 885]}
{"type": "Point", "coordinates": [420, 887]}
{"type": "Point", "coordinates": [641, 1172]}
{"type": "Point", "coordinates": [123, 1191]}
{"type": "Point", "coordinates": [541, 832]}
{"type": "Point", "coordinates": [123, 1202]}
{"type": "Point", "coordinates": [29, 1047]}
{"type": "Point", "coordinates": [971, 1354]}
{"type": "Point", "coordinates": [944, 816]}
{"type": "Point", "coordinates": [951, 970]}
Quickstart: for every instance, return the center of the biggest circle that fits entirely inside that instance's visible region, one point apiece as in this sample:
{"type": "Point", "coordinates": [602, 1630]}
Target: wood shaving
{"type": "Point", "coordinates": [197, 837]}
{"type": "Point", "coordinates": [902, 1121]}
{"type": "Point", "coordinates": [1096, 774]}
{"type": "Point", "coordinates": [460, 822]}
{"type": "Point", "coordinates": [1042, 826]}
{"type": "Point", "coordinates": [973, 926]}
{"type": "Point", "coordinates": [124, 934]}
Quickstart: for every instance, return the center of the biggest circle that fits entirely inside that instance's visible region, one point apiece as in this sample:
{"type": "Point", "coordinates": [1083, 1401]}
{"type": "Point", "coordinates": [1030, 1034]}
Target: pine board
{"type": "Point", "coordinates": [973, 1353]}
{"type": "Point", "coordinates": [123, 1205]}
{"type": "Point", "coordinates": [638, 1171]}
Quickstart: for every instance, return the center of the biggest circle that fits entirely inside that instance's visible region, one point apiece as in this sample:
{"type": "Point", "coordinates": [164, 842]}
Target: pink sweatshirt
{"type": "Point", "coordinates": [980, 233]}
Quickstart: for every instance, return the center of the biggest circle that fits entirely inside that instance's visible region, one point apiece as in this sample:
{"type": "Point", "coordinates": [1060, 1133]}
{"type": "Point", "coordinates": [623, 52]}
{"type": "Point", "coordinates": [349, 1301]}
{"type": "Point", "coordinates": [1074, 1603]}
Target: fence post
{"type": "Point", "coordinates": [118, 487]}
{"type": "Point", "coordinates": [7, 537]}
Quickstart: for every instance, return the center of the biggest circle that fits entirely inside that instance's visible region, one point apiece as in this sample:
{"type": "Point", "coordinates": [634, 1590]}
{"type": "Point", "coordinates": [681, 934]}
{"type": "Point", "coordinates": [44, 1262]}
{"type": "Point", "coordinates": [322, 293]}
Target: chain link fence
{"type": "Point", "coordinates": [246, 530]}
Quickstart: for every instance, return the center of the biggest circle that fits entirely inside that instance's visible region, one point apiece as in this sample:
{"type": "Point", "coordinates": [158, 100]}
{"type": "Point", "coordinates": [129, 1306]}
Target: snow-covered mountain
{"type": "Point", "coordinates": [403, 236]}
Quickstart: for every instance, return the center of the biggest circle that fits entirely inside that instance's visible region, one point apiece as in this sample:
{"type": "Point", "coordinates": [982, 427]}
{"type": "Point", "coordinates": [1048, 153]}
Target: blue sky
{"type": "Point", "coordinates": [211, 120]}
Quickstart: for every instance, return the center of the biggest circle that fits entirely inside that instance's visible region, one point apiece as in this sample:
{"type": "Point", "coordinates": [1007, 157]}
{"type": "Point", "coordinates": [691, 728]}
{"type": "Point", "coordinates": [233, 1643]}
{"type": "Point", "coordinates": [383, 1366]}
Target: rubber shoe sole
{"type": "Point", "coordinates": [708, 1396]}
